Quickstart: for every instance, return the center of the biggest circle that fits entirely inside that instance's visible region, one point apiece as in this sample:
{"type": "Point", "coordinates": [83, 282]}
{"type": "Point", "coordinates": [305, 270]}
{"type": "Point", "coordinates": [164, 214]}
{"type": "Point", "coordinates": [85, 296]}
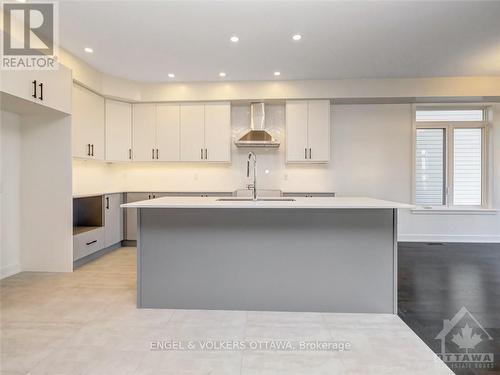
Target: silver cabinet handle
{"type": "Point", "coordinates": [92, 150]}
{"type": "Point", "coordinates": [152, 153]}
{"type": "Point", "coordinates": [310, 153]}
{"type": "Point", "coordinates": [305, 153]}
{"type": "Point", "coordinates": [90, 243]}
{"type": "Point", "coordinates": [130, 153]}
{"type": "Point", "coordinates": [206, 154]}
{"type": "Point", "coordinates": [88, 149]}
{"type": "Point", "coordinates": [156, 154]}
{"type": "Point", "coordinates": [201, 154]}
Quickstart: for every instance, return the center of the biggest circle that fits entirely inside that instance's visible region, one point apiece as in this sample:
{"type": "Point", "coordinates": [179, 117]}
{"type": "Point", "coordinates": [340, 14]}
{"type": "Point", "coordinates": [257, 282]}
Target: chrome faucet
{"type": "Point", "coordinates": [253, 186]}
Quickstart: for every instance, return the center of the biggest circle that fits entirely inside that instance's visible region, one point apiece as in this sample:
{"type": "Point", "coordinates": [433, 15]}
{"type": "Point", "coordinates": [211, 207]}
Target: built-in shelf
{"type": "Point", "coordinates": [82, 229]}
{"type": "Point", "coordinates": [87, 214]}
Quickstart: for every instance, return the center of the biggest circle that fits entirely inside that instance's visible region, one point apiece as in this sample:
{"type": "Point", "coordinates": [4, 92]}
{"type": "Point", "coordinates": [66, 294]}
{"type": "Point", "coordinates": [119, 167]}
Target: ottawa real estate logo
{"type": "Point", "coordinates": [30, 39]}
{"type": "Point", "coordinates": [465, 344]}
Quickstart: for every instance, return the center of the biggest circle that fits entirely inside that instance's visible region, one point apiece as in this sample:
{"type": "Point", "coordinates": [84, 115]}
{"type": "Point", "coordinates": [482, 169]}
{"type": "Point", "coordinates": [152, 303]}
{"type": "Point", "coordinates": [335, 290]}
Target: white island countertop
{"type": "Point", "coordinates": [299, 202]}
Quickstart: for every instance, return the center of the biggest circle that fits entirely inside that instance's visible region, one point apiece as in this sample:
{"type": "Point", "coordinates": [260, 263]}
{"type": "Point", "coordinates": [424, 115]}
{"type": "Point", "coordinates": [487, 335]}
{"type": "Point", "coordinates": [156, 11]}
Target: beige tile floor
{"type": "Point", "coordinates": [86, 322]}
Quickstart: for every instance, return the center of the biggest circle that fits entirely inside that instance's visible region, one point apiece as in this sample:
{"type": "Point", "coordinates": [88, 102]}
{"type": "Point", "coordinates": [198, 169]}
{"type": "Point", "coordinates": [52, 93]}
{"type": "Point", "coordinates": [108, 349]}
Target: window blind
{"type": "Point", "coordinates": [449, 115]}
{"type": "Point", "coordinates": [467, 167]}
{"type": "Point", "coordinates": [429, 173]}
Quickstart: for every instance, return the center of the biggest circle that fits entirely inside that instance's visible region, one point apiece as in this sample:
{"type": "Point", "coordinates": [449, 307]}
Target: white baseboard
{"type": "Point", "coordinates": [9, 270]}
{"type": "Point", "coordinates": [467, 238]}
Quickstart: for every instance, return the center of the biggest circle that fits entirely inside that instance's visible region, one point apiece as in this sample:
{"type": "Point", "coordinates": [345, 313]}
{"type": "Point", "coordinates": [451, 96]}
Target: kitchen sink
{"type": "Point", "coordinates": [237, 199]}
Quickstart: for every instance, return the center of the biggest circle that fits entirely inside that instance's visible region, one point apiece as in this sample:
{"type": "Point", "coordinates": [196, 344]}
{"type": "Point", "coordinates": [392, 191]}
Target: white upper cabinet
{"type": "Point", "coordinates": [50, 88]}
{"type": "Point", "coordinates": [156, 132]}
{"type": "Point", "coordinates": [218, 132]}
{"type": "Point", "coordinates": [296, 130]}
{"type": "Point", "coordinates": [318, 131]}
{"type": "Point", "coordinates": [206, 132]}
{"type": "Point", "coordinates": [87, 124]}
{"type": "Point", "coordinates": [192, 132]}
{"type": "Point", "coordinates": [144, 132]}
{"type": "Point", "coordinates": [118, 131]}
{"type": "Point", "coordinates": [308, 131]}
{"type": "Point", "coordinates": [168, 132]}
{"type": "Point", "coordinates": [149, 132]}
{"type": "Point", "coordinates": [56, 88]}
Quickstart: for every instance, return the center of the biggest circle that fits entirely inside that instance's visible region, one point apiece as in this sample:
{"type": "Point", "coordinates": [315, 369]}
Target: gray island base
{"type": "Point", "coordinates": [267, 259]}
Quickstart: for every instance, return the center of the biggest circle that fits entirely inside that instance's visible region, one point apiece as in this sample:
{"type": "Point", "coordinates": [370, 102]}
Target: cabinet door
{"type": "Point", "coordinates": [296, 131]}
{"type": "Point", "coordinates": [144, 132]}
{"type": "Point", "coordinates": [318, 131]}
{"type": "Point", "coordinates": [87, 243]}
{"type": "Point", "coordinates": [192, 132]}
{"type": "Point", "coordinates": [131, 215]}
{"type": "Point", "coordinates": [87, 124]}
{"type": "Point", "coordinates": [50, 88]}
{"type": "Point", "coordinates": [168, 132]}
{"type": "Point", "coordinates": [218, 132]}
{"type": "Point", "coordinates": [113, 219]}
{"type": "Point", "coordinates": [118, 131]}
{"type": "Point", "coordinates": [56, 86]}
{"type": "Point", "coordinates": [19, 83]}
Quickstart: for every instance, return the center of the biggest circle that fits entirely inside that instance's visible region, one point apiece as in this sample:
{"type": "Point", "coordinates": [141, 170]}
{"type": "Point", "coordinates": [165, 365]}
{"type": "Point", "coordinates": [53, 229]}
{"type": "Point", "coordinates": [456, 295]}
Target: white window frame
{"type": "Point", "coordinates": [449, 127]}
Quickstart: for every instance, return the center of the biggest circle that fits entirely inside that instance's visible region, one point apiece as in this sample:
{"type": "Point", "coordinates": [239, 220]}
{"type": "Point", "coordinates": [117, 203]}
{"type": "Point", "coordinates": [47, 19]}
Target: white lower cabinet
{"type": "Point", "coordinates": [113, 219]}
{"type": "Point", "coordinates": [89, 242]}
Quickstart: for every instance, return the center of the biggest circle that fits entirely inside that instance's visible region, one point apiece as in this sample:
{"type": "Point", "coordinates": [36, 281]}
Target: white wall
{"type": "Point", "coordinates": [46, 194]}
{"type": "Point", "coordinates": [371, 156]}
{"type": "Point", "coordinates": [372, 150]}
{"type": "Point", "coordinates": [10, 187]}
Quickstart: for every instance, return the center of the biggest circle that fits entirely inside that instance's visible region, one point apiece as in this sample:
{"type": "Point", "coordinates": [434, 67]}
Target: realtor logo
{"type": "Point", "coordinates": [463, 342]}
{"type": "Point", "coordinates": [30, 36]}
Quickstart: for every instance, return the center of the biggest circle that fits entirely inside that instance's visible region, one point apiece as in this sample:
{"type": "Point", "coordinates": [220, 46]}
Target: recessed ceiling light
{"type": "Point", "coordinates": [234, 39]}
{"type": "Point", "coordinates": [277, 73]}
{"type": "Point", "coordinates": [88, 50]}
{"type": "Point", "coordinates": [297, 37]}
{"type": "Point", "coordinates": [21, 1]}
{"type": "Point", "coordinates": [171, 75]}
{"type": "Point", "coordinates": [222, 74]}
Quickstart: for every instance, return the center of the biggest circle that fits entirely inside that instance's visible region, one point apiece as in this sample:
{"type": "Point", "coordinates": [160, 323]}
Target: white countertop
{"type": "Point", "coordinates": [315, 203]}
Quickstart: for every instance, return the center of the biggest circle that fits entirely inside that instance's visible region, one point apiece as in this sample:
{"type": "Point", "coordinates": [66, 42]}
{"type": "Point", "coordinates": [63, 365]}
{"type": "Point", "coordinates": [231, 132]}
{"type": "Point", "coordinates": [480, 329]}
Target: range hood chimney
{"type": "Point", "coordinates": [257, 136]}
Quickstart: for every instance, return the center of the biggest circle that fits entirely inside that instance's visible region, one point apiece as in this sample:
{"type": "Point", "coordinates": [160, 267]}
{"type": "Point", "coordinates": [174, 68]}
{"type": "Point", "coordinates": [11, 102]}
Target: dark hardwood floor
{"type": "Point", "coordinates": [436, 281]}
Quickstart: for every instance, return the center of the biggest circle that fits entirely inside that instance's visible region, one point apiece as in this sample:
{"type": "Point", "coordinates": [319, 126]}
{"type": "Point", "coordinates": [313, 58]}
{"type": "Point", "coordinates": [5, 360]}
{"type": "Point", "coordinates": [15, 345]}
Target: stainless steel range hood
{"type": "Point", "coordinates": [257, 136]}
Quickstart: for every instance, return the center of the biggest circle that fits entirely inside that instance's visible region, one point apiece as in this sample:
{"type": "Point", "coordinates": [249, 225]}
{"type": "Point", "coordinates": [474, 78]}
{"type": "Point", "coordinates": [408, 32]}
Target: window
{"type": "Point", "coordinates": [467, 166]}
{"type": "Point", "coordinates": [450, 157]}
{"type": "Point", "coordinates": [430, 159]}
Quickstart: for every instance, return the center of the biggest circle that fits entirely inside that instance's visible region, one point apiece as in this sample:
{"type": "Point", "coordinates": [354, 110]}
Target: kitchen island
{"type": "Point", "coordinates": [301, 254]}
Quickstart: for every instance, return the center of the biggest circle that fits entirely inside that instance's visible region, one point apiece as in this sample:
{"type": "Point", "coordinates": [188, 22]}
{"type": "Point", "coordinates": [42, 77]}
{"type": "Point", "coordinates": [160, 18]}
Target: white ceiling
{"type": "Point", "coordinates": [144, 41]}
